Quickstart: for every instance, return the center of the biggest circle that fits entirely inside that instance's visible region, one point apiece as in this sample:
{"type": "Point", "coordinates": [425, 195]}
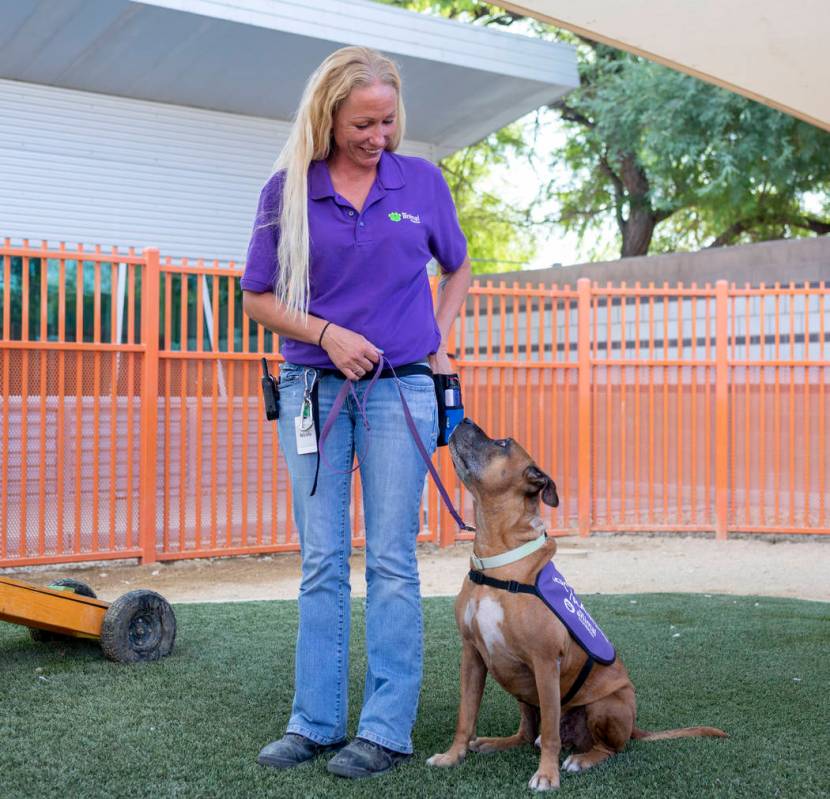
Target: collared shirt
{"type": "Point", "coordinates": [368, 268]}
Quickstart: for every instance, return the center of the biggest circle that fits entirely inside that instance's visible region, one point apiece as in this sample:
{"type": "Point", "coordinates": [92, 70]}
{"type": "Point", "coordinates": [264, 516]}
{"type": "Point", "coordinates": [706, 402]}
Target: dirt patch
{"type": "Point", "coordinates": [607, 564]}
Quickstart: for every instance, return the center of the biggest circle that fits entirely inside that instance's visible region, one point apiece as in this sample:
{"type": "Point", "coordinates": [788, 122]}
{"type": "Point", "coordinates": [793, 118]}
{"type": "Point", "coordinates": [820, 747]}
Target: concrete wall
{"type": "Point", "coordinates": [796, 260]}
{"type": "Point", "coordinates": [799, 261]}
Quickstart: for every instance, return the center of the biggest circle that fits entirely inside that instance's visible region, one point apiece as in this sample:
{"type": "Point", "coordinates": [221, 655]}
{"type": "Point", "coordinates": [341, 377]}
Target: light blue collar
{"type": "Point", "coordinates": [511, 556]}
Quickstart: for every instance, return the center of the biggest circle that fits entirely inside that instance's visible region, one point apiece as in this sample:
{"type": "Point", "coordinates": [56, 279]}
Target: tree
{"type": "Point", "coordinates": [659, 148]}
{"type": "Point", "coordinates": [500, 237]}
{"type": "Point", "coordinates": [674, 162]}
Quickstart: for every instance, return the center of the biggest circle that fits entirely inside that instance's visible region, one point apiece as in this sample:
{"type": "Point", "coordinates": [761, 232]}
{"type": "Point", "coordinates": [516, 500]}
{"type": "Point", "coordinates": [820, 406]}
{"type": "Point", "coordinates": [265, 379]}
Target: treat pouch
{"type": "Point", "coordinates": [450, 405]}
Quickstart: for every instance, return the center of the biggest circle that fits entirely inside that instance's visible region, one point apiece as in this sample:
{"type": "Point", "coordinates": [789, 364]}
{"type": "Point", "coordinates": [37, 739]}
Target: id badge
{"type": "Point", "coordinates": [304, 430]}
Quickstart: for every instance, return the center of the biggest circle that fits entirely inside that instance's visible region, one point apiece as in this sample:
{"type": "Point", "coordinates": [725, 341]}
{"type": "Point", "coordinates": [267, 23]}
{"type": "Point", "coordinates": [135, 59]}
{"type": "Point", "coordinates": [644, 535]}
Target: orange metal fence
{"type": "Point", "coordinates": [132, 421]}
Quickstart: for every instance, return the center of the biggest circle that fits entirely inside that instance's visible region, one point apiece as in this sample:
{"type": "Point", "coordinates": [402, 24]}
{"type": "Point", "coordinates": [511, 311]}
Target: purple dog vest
{"type": "Point", "coordinates": [555, 592]}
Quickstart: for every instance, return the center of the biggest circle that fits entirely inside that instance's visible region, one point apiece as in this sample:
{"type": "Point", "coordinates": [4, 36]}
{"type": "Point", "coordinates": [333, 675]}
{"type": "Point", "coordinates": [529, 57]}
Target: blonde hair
{"type": "Point", "coordinates": [310, 140]}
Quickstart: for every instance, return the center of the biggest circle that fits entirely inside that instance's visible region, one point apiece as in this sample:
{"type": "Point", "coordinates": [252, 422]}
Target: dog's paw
{"type": "Point", "coordinates": [538, 742]}
{"type": "Point", "coordinates": [543, 781]}
{"type": "Point", "coordinates": [445, 759]}
{"type": "Point", "coordinates": [582, 761]}
{"type": "Point", "coordinates": [484, 746]}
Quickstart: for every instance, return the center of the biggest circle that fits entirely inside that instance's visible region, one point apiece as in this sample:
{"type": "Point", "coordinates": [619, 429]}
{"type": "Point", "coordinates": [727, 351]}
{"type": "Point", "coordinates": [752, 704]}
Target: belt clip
{"type": "Point", "coordinates": [513, 586]}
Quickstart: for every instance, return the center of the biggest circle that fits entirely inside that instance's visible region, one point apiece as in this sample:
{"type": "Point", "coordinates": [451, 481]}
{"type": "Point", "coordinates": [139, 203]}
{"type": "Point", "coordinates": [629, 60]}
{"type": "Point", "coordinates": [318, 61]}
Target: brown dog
{"type": "Point", "coordinates": [518, 640]}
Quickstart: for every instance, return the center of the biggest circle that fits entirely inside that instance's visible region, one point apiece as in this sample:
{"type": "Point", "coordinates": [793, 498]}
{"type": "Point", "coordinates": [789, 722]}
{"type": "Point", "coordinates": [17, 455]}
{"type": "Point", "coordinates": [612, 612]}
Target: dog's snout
{"type": "Point", "coordinates": [466, 430]}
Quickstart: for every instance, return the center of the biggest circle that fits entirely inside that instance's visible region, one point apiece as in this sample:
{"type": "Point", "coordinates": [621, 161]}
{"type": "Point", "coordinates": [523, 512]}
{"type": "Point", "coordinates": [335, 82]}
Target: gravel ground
{"type": "Point", "coordinates": [608, 564]}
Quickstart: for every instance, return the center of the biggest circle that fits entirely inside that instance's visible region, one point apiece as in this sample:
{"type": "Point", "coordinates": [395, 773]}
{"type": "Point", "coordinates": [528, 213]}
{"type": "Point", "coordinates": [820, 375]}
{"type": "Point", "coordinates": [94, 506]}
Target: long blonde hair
{"type": "Point", "coordinates": [310, 140]}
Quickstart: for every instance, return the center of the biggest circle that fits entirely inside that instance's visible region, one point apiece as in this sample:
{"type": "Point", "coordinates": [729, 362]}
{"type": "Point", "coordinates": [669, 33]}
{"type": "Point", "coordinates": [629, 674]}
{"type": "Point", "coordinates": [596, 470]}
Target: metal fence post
{"type": "Point", "coordinates": [583, 344]}
{"type": "Point", "coordinates": [441, 524]}
{"type": "Point", "coordinates": [448, 529]}
{"type": "Point", "coordinates": [150, 292]}
{"type": "Point", "coordinates": [721, 442]}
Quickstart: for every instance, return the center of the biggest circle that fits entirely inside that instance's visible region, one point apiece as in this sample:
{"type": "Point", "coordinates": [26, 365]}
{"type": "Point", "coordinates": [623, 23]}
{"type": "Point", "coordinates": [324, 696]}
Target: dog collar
{"type": "Point", "coordinates": [511, 556]}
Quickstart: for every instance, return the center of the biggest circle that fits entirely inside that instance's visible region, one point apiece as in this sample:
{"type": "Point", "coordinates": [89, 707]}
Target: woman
{"type": "Point", "coordinates": [343, 234]}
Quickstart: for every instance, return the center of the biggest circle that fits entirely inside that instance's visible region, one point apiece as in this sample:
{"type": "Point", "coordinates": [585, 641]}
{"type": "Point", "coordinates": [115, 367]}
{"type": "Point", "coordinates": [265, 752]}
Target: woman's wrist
{"type": "Point", "coordinates": [322, 333]}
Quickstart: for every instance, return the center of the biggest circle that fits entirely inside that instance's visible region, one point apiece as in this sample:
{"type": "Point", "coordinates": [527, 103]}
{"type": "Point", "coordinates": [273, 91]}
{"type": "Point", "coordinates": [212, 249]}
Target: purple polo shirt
{"type": "Point", "coordinates": [367, 269]}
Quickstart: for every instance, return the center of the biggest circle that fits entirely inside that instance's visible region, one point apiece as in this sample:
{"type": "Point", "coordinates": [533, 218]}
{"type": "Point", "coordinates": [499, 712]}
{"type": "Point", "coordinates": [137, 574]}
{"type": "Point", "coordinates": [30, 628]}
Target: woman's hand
{"type": "Point", "coordinates": [350, 352]}
{"type": "Point", "coordinates": [439, 362]}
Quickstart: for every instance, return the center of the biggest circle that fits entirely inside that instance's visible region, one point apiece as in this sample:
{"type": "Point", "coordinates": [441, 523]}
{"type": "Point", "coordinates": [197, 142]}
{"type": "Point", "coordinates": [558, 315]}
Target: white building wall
{"type": "Point", "coordinates": [97, 169]}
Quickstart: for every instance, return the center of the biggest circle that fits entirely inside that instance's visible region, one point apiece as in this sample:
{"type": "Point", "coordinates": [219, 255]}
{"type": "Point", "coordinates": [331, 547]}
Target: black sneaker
{"type": "Point", "coordinates": [293, 749]}
{"type": "Point", "coordinates": [362, 758]}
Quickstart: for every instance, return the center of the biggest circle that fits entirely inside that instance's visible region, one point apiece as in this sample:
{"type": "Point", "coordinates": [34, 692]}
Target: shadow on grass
{"type": "Point", "coordinates": [72, 723]}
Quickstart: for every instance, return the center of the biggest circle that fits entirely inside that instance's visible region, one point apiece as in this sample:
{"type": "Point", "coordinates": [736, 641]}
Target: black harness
{"type": "Point", "coordinates": [514, 587]}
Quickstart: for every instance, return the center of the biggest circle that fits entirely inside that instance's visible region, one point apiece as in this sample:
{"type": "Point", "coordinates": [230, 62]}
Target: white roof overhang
{"type": "Point", "coordinates": [253, 57]}
{"type": "Point", "coordinates": [772, 52]}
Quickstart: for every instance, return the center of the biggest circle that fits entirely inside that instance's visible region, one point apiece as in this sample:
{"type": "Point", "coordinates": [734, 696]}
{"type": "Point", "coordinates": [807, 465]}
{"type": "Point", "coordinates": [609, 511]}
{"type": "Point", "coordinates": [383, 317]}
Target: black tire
{"type": "Point", "coordinates": [76, 587]}
{"type": "Point", "coordinates": [139, 626]}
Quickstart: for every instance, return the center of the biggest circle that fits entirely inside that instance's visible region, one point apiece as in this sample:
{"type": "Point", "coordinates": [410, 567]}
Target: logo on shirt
{"type": "Point", "coordinates": [397, 216]}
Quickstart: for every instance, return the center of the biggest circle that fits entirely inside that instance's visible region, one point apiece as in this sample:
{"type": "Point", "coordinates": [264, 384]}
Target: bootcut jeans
{"type": "Point", "coordinates": [392, 475]}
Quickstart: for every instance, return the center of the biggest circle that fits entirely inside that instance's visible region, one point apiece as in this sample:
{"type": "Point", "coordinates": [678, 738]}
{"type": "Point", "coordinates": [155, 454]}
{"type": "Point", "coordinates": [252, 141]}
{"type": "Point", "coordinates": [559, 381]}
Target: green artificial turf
{"type": "Point", "coordinates": [74, 724]}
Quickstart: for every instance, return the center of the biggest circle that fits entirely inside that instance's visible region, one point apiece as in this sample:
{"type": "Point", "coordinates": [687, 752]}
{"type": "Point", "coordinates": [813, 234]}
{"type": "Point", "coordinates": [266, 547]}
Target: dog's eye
{"type": "Point", "coordinates": [503, 442]}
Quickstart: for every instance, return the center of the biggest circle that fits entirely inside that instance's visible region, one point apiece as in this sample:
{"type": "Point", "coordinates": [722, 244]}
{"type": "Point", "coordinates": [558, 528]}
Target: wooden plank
{"type": "Point", "coordinates": [50, 609]}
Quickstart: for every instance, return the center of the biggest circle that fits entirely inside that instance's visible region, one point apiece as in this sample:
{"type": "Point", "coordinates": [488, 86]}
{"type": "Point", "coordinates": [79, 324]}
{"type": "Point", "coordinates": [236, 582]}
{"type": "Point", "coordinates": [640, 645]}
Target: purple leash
{"type": "Point", "coordinates": [410, 423]}
{"type": "Point", "coordinates": [348, 388]}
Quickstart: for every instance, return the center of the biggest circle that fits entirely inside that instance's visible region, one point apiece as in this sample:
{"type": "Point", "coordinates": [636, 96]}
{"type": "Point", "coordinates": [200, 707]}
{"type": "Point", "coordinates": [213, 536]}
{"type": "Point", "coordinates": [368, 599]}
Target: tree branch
{"type": "Point", "coordinates": [505, 19]}
{"type": "Point", "coordinates": [592, 43]}
{"type": "Point", "coordinates": [573, 213]}
{"type": "Point", "coordinates": [665, 213]}
{"type": "Point", "coordinates": [818, 226]}
{"type": "Point", "coordinates": [572, 115]}
{"type": "Point", "coordinates": [619, 189]}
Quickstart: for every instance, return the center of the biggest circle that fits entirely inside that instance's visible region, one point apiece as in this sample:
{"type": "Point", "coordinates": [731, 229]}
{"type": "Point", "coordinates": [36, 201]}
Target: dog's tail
{"type": "Point", "coordinates": [681, 732]}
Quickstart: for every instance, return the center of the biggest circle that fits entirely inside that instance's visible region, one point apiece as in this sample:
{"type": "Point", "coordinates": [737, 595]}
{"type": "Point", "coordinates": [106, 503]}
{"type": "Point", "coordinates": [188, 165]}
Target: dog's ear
{"type": "Point", "coordinates": [542, 483]}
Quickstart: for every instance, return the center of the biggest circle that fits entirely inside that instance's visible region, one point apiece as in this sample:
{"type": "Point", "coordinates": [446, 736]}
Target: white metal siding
{"type": "Point", "coordinates": [397, 31]}
{"type": "Point", "coordinates": [96, 169]}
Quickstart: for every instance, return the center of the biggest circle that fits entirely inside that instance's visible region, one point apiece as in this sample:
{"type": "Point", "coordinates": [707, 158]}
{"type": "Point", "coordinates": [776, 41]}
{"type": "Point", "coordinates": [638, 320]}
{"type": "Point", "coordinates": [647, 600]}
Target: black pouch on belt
{"type": "Point", "coordinates": [450, 406]}
{"type": "Point", "coordinates": [270, 393]}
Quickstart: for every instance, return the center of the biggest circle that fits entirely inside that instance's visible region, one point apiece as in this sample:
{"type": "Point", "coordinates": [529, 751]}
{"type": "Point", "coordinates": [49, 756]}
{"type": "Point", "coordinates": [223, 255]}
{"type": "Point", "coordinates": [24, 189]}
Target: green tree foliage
{"type": "Point", "coordinates": [499, 236]}
{"type": "Point", "coordinates": [655, 148]}
{"type": "Point", "coordinates": [672, 162]}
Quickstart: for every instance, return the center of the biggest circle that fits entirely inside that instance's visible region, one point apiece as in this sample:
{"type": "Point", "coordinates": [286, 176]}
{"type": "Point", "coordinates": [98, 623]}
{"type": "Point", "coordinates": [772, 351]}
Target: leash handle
{"type": "Point", "coordinates": [344, 391]}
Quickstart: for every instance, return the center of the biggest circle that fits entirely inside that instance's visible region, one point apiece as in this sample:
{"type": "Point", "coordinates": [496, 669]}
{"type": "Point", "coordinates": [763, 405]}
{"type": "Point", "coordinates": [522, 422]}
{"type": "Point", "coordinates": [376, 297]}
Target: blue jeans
{"type": "Point", "coordinates": [392, 474]}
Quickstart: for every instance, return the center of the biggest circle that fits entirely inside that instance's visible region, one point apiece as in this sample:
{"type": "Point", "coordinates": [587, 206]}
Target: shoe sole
{"type": "Point", "coordinates": [282, 764]}
{"type": "Point", "coordinates": [357, 774]}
